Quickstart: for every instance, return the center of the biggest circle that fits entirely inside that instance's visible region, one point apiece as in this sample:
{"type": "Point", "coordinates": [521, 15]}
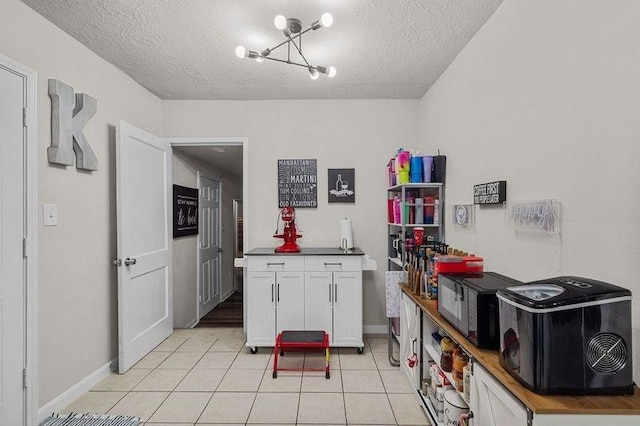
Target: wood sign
{"type": "Point", "coordinates": [490, 193]}
{"type": "Point", "coordinates": [185, 211]}
{"type": "Point", "coordinates": [298, 183]}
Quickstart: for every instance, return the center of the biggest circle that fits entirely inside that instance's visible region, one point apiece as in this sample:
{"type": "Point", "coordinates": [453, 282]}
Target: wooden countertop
{"type": "Point", "coordinates": [539, 404]}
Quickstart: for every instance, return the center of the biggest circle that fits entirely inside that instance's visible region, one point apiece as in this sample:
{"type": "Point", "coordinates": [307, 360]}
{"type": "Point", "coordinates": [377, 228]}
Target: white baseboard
{"type": "Point", "coordinates": [375, 329]}
{"type": "Point", "coordinates": [83, 386]}
{"type": "Point", "coordinates": [192, 323]}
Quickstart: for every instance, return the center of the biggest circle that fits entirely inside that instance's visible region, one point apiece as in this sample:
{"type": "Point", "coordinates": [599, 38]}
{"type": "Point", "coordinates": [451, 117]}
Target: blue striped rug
{"type": "Point", "coordinates": [76, 419]}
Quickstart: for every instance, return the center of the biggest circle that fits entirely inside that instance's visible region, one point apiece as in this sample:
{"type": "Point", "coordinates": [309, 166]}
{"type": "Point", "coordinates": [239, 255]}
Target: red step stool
{"type": "Point", "coordinates": [301, 340]}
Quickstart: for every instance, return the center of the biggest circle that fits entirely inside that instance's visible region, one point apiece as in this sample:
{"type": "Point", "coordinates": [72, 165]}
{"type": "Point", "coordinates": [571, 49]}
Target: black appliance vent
{"type": "Point", "coordinates": [606, 353]}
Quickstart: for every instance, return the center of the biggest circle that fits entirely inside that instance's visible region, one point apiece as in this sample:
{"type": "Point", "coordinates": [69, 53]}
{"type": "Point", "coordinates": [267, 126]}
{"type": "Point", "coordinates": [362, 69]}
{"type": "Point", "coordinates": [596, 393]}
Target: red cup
{"type": "Point", "coordinates": [418, 235]}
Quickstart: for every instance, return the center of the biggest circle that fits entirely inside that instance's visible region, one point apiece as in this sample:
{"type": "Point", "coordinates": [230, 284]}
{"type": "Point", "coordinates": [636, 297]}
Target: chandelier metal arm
{"type": "Point", "coordinates": [292, 63]}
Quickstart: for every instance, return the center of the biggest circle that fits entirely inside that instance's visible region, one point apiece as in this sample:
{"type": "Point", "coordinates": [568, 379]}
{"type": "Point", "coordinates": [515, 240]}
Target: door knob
{"type": "Point", "coordinates": [130, 261]}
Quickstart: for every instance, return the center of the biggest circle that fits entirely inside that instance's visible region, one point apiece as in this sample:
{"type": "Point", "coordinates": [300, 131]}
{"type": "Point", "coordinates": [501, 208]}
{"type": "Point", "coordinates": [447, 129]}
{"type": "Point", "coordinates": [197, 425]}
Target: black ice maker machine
{"type": "Point", "coordinates": [567, 335]}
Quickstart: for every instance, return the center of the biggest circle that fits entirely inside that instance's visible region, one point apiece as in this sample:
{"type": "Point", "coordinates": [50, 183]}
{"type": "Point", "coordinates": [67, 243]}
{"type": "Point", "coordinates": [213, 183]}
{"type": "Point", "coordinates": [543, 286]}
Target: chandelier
{"type": "Point", "coordinates": [292, 30]}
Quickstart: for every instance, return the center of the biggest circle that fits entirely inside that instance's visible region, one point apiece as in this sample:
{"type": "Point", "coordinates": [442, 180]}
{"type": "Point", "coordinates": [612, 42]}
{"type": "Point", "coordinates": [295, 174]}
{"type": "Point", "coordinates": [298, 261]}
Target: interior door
{"type": "Point", "coordinates": [209, 239]}
{"type": "Point", "coordinates": [12, 261]}
{"type": "Point", "coordinates": [145, 294]}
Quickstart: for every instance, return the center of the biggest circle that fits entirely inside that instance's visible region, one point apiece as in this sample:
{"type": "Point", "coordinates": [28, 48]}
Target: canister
{"type": "Point", "coordinates": [454, 407]}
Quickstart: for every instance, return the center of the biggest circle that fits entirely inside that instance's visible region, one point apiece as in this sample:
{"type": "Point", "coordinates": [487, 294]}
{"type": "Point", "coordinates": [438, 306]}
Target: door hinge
{"type": "Point", "coordinates": [25, 118]}
{"type": "Point", "coordinates": [25, 378]}
{"type": "Point", "coordinates": [117, 262]}
{"type": "Point", "coordinates": [24, 247]}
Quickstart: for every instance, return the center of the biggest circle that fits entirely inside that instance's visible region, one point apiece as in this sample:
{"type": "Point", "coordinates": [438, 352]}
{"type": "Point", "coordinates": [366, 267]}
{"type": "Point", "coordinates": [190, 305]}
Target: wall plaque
{"type": "Point", "coordinates": [342, 185]}
{"type": "Point", "coordinates": [298, 183]}
{"type": "Point", "coordinates": [185, 211]}
{"type": "Point", "coordinates": [490, 193]}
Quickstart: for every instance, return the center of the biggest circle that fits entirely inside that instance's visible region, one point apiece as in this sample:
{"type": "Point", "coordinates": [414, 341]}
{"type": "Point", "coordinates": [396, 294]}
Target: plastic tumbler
{"type": "Point", "coordinates": [427, 165]}
{"type": "Point", "coordinates": [415, 169]}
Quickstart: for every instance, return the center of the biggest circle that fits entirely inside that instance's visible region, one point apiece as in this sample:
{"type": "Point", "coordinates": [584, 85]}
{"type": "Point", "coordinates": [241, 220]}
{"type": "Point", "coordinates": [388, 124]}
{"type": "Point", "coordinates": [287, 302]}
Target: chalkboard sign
{"type": "Point", "coordinates": [185, 211]}
{"type": "Point", "coordinates": [298, 183]}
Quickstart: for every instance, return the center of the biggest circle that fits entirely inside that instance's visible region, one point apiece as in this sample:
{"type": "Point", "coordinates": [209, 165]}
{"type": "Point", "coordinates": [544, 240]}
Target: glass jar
{"type": "Point", "coordinates": [446, 361]}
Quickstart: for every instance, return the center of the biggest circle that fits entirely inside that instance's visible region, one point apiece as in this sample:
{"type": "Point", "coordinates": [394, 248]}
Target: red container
{"type": "Point", "coordinates": [450, 264]}
{"type": "Point", "coordinates": [390, 218]}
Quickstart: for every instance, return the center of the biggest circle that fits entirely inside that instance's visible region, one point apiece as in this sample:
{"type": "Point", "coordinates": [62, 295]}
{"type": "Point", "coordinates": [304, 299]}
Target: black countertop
{"type": "Point", "coordinates": [307, 251]}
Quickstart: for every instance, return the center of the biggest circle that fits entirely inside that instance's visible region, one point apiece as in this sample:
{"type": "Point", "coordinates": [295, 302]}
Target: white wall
{"type": "Point", "coordinates": [77, 316]}
{"type": "Point", "coordinates": [360, 134]}
{"type": "Point", "coordinates": [547, 97]}
{"type": "Point", "coordinates": [185, 280]}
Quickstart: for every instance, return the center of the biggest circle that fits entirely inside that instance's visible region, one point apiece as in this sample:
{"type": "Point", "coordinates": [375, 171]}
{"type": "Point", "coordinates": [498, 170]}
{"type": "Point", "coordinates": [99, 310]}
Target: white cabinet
{"type": "Point", "coordinates": [275, 290]}
{"type": "Point", "coordinates": [491, 403]}
{"type": "Point", "coordinates": [410, 340]}
{"type": "Point", "coordinates": [333, 298]}
{"type": "Point", "coordinates": [305, 292]}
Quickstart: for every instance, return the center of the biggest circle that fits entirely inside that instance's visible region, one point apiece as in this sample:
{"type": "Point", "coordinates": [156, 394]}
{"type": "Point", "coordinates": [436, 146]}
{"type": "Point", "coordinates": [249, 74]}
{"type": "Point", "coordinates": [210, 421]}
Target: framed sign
{"type": "Point", "coordinates": [490, 193]}
{"type": "Point", "coordinates": [342, 185]}
{"type": "Point", "coordinates": [185, 211]}
{"type": "Point", "coordinates": [298, 183]}
{"type": "Point", "coordinates": [463, 215]}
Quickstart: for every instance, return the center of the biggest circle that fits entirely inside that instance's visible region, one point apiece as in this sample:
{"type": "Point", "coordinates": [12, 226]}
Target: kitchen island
{"type": "Point", "coordinates": [318, 288]}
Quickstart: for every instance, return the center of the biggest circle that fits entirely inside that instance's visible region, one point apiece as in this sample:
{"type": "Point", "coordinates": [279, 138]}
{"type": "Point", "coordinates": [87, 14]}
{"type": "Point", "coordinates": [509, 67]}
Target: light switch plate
{"type": "Point", "coordinates": [50, 214]}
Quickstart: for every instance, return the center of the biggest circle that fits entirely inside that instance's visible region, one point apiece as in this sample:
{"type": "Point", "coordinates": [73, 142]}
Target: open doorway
{"type": "Point", "coordinates": [224, 160]}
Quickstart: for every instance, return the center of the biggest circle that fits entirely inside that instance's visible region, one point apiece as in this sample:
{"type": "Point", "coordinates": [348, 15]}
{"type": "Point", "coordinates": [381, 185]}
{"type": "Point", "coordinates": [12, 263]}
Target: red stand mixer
{"type": "Point", "coordinates": [289, 233]}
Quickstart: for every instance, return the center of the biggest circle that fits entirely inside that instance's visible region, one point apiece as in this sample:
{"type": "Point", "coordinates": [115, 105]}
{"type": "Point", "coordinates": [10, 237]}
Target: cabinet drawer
{"type": "Point", "coordinates": [333, 263]}
{"type": "Point", "coordinates": [276, 263]}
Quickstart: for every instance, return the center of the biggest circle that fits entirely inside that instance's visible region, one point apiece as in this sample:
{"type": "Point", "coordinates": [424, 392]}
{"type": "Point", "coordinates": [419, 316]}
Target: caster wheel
{"type": "Point", "coordinates": [327, 375]}
{"type": "Point", "coordinates": [253, 350]}
{"type": "Point", "coordinates": [360, 350]}
{"type": "Point", "coordinates": [275, 374]}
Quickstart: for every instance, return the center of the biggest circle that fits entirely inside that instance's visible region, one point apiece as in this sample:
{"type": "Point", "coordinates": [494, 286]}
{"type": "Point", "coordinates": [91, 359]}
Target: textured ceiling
{"type": "Point", "coordinates": [184, 49]}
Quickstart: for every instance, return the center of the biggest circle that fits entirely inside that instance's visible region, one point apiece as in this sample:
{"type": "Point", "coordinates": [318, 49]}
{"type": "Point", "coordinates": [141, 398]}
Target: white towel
{"type": "Point", "coordinates": [392, 284]}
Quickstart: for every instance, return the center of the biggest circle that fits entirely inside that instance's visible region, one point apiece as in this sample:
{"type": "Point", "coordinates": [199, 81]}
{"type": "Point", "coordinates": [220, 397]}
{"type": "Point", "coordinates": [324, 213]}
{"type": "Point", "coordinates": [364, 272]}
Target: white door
{"type": "Point", "coordinates": [347, 309]}
{"type": "Point", "coordinates": [410, 340]}
{"type": "Point", "coordinates": [289, 296]}
{"type": "Point", "coordinates": [209, 240]}
{"type": "Point", "coordinates": [12, 261]}
{"type": "Point", "coordinates": [145, 294]}
{"type": "Point", "coordinates": [318, 301]}
{"type": "Point", "coordinates": [261, 308]}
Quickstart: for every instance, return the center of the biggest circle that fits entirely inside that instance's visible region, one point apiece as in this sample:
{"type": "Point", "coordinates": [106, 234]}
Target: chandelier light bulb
{"type": "Point", "coordinates": [326, 19]}
{"type": "Point", "coordinates": [241, 51]}
{"type": "Point", "coordinates": [332, 72]}
{"type": "Point", "coordinates": [313, 73]}
{"type": "Point", "coordinates": [280, 22]}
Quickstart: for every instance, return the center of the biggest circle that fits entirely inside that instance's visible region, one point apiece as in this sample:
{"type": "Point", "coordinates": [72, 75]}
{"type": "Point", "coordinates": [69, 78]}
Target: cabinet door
{"type": "Point", "coordinates": [289, 295]}
{"type": "Point", "coordinates": [318, 302]}
{"type": "Point", "coordinates": [410, 340]}
{"type": "Point", "coordinates": [347, 309]}
{"type": "Point", "coordinates": [491, 403]}
{"type": "Point", "coordinates": [261, 316]}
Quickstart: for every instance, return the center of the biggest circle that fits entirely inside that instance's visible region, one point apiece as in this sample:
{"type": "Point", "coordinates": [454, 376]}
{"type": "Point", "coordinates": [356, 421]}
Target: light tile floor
{"type": "Point", "coordinates": [206, 376]}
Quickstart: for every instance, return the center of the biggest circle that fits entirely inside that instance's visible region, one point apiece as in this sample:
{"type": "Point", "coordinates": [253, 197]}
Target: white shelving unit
{"type": "Point", "coordinates": [401, 231]}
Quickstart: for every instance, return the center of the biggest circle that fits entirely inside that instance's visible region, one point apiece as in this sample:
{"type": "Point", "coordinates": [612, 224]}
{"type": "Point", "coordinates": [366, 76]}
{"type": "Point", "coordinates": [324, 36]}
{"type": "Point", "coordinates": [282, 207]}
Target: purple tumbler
{"type": "Point", "coordinates": [427, 165]}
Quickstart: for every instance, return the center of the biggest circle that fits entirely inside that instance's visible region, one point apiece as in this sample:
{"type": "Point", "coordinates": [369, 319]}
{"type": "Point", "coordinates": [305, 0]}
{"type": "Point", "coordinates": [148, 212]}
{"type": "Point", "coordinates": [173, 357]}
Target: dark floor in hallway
{"type": "Point", "coordinates": [226, 314]}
